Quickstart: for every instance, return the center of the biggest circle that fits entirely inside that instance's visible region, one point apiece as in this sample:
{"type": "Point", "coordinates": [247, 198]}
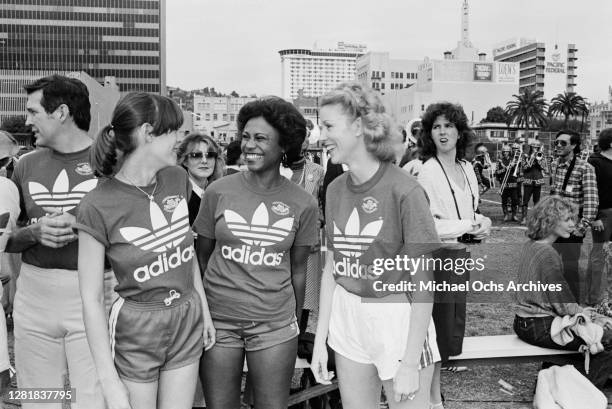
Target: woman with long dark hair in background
{"type": "Point", "coordinates": [452, 188]}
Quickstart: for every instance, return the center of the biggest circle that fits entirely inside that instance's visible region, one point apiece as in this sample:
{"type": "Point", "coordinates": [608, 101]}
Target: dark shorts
{"type": "Point", "coordinates": [254, 336]}
{"type": "Point", "coordinates": [147, 338]}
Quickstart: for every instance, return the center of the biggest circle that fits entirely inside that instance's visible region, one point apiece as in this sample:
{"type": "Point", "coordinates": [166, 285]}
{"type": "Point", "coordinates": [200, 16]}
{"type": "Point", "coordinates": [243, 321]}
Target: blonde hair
{"type": "Point", "coordinates": [380, 134]}
{"type": "Point", "coordinates": [543, 218]}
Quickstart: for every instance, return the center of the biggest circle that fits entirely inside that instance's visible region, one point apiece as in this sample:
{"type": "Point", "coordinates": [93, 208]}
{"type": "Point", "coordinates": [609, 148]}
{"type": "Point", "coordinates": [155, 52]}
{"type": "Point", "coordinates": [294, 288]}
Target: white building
{"type": "Point", "coordinates": [464, 77]}
{"type": "Point", "coordinates": [377, 70]}
{"type": "Point", "coordinates": [317, 71]}
{"type": "Point", "coordinates": [548, 68]}
{"type": "Point", "coordinates": [212, 112]}
{"type": "Point", "coordinates": [600, 117]}
{"type": "Point", "coordinates": [476, 85]}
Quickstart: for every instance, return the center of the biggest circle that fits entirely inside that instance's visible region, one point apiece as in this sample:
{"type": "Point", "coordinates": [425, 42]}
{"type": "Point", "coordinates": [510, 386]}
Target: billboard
{"type": "Point", "coordinates": [555, 70]}
{"type": "Point", "coordinates": [507, 72]}
{"type": "Point", "coordinates": [483, 72]}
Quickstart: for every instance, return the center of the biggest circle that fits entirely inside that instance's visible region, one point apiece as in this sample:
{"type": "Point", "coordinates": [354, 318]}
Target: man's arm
{"type": "Point", "coordinates": [591, 197]}
{"type": "Point", "coordinates": [54, 231]}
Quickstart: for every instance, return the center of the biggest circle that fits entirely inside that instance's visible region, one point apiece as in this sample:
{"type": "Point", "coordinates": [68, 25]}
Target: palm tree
{"type": "Point", "coordinates": [527, 109]}
{"type": "Point", "coordinates": [567, 104]}
{"type": "Point", "coordinates": [584, 114]}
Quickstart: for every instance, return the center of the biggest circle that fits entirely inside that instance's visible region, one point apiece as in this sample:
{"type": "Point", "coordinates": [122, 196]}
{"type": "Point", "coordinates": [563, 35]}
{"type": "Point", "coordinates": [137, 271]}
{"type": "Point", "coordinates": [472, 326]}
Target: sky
{"type": "Point", "coordinates": [232, 45]}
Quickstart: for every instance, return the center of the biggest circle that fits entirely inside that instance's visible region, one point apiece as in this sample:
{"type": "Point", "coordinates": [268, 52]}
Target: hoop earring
{"type": "Point", "coordinates": [284, 159]}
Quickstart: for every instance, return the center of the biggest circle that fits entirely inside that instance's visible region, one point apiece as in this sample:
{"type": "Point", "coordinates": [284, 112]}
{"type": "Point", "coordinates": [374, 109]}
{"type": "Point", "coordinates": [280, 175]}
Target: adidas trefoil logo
{"type": "Point", "coordinates": [353, 242]}
{"type": "Point", "coordinates": [164, 235]}
{"type": "Point", "coordinates": [258, 232]}
{"type": "Point", "coordinates": [61, 197]}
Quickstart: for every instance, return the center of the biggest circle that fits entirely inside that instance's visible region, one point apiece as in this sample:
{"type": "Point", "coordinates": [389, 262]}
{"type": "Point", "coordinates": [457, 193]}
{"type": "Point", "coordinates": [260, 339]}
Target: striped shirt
{"type": "Point", "coordinates": [581, 187]}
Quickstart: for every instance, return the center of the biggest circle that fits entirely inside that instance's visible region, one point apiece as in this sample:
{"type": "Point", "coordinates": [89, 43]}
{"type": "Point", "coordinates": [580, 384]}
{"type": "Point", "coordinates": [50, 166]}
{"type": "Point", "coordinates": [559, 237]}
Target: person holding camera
{"type": "Point", "coordinates": [452, 188]}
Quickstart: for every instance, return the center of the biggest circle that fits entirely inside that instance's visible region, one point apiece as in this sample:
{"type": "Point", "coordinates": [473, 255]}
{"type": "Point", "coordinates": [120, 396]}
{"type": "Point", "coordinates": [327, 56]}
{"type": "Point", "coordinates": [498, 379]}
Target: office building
{"type": "Point", "coordinates": [378, 71]}
{"type": "Point", "coordinates": [212, 114]}
{"type": "Point", "coordinates": [317, 71]}
{"type": "Point", "coordinates": [123, 39]}
{"type": "Point", "coordinates": [550, 68]}
{"type": "Point", "coordinates": [476, 85]}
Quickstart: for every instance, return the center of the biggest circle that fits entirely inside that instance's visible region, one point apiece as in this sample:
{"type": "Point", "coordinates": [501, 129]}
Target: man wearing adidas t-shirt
{"type": "Point", "coordinates": [49, 331]}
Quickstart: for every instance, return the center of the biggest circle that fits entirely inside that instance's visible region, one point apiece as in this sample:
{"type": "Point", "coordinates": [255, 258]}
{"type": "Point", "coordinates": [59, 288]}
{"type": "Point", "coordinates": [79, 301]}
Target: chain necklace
{"type": "Point", "coordinates": [150, 196]}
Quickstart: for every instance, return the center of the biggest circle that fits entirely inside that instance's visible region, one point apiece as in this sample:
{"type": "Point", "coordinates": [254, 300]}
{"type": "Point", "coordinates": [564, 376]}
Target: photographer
{"type": "Point", "coordinates": [452, 188]}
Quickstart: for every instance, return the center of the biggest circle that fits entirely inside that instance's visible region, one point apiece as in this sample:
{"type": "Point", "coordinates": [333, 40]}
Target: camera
{"type": "Point", "coordinates": [468, 239]}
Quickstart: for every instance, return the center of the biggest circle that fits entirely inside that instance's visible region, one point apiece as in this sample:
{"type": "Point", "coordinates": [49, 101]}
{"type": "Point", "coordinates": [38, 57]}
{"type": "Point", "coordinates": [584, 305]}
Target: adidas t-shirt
{"type": "Point", "coordinates": [149, 243]}
{"type": "Point", "coordinates": [382, 219]}
{"type": "Point", "coordinates": [47, 181]}
{"type": "Point", "coordinates": [248, 277]}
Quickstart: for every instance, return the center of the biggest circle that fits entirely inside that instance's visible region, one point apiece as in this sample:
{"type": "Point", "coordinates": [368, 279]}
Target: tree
{"type": "Point", "coordinates": [15, 125]}
{"type": "Point", "coordinates": [567, 104]}
{"type": "Point", "coordinates": [234, 94]}
{"type": "Point", "coordinates": [527, 109]}
{"type": "Point", "coordinates": [496, 114]}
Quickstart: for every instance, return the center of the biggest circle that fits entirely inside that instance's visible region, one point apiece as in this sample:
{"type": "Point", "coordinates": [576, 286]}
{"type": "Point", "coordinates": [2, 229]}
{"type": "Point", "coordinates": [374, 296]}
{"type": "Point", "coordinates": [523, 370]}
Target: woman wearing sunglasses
{"type": "Point", "coordinates": [199, 155]}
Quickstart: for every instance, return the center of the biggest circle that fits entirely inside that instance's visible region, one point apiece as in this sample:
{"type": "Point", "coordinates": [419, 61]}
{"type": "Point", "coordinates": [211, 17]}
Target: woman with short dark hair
{"type": "Point", "coordinates": [255, 231]}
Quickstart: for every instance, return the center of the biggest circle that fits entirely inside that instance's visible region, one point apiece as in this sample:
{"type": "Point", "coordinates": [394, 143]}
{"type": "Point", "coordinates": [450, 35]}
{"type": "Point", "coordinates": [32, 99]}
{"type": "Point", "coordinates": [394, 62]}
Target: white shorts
{"type": "Point", "coordinates": [375, 333]}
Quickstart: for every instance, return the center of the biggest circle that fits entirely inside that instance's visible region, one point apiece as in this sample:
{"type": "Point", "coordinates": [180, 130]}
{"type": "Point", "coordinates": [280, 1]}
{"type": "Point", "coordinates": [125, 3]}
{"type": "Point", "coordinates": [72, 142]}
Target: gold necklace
{"type": "Point", "coordinates": [150, 196]}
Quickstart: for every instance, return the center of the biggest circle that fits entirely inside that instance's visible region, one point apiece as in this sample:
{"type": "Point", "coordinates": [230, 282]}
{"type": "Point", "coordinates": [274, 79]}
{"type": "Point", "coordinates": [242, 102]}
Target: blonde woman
{"type": "Point", "coordinates": [381, 337]}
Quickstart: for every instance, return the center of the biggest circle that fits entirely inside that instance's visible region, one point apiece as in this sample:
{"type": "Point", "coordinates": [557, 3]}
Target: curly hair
{"type": "Point", "coordinates": [453, 113]}
{"type": "Point", "coordinates": [190, 142]}
{"type": "Point", "coordinates": [381, 136]}
{"type": "Point", "coordinates": [543, 218]}
{"type": "Point", "coordinates": [282, 116]}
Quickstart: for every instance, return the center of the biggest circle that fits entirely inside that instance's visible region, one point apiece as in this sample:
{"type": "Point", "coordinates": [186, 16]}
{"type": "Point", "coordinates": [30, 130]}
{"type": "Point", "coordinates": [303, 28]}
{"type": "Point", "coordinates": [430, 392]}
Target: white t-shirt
{"type": "Point", "coordinates": [9, 210]}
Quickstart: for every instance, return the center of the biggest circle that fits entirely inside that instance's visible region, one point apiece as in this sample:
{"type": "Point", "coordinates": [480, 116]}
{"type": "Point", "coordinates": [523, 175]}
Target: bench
{"type": "Point", "coordinates": [499, 349]}
{"type": "Point", "coordinates": [477, 350]}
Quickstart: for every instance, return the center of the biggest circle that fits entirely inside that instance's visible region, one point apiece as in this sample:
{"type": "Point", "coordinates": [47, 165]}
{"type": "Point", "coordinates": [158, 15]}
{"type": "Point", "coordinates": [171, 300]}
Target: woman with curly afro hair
{"type": "Point", "coordinates": [255, 231]}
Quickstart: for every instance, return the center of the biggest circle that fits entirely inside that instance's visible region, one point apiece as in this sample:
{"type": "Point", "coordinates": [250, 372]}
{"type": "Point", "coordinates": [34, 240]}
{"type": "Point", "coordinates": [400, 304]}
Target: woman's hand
{"type": "Point", "coordinates": [209, 332]}
{"type": "Point", "coordinates": [406, 382]}
{"type": "Point", "coordinates": [116, 395]}
{"type": "Point", "coordinates": [318, 364]}
{"type": "Point", "coordinates": [483, 230]}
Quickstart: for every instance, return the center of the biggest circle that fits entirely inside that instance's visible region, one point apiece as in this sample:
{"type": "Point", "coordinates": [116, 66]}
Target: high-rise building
{"type": "Point", "coordinates": [550, 68]}
{"type": "Point", "coordinates": [124, 39]}
{"type": "Point", "coordinates": [317, 71]}
{"type": "Point", "coordinates": [378, 71]}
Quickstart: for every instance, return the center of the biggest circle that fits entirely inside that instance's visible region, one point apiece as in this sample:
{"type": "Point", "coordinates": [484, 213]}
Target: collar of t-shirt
{"type": "Point", "coordinates": [195, 188]}
{"type": "Point", "coordinates": [364, 187]}
{"type": "Point", "coordinates": [263, 191]}
{"type": "Point", "coordinates": [68, 156]}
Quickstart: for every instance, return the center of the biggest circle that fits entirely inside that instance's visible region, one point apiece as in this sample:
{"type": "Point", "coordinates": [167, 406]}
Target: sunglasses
{"type": "Point", "coordinates": [200, 155]}
{"type": "Point", "coordinates": [561, 143]}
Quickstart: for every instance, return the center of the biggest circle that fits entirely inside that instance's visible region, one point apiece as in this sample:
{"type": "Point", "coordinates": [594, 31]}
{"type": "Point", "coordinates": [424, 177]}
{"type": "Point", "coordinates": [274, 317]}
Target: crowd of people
{"type": "Point", "coordinates": [154, 264]}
